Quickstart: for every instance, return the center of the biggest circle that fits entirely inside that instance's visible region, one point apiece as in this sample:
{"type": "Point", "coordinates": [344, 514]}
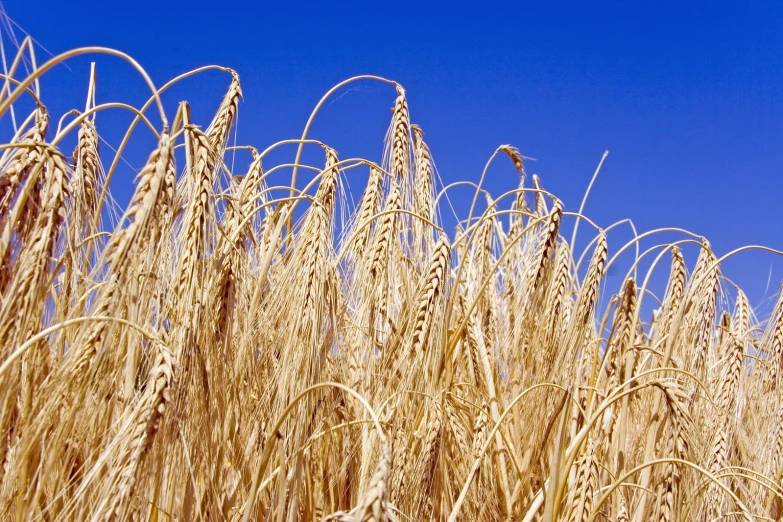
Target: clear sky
{"type": "Point", "coordinates": [686, 96]}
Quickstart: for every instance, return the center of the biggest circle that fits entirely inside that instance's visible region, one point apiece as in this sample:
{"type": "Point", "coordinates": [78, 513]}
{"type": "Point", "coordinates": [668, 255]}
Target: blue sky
{"type": "Point", "coordinates": [686, 96]}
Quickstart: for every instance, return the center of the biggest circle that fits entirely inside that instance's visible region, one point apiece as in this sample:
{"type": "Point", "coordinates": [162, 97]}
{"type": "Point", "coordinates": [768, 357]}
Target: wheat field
{"type": "Point", "coordinates": [263, 345]}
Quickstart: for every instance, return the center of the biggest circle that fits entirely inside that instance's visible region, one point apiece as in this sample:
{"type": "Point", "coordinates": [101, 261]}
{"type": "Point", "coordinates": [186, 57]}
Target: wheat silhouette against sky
{"type": "Point", "coordinates": [353, 302]}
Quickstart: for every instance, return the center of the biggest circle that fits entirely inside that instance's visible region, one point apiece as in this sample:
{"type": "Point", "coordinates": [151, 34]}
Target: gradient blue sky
{"type": "Point", "coordinates": [686, 96]}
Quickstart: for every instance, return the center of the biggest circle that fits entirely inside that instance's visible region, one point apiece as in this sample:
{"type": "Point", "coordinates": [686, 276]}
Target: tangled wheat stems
{"type": "Point", "coordinates": [246, 345]}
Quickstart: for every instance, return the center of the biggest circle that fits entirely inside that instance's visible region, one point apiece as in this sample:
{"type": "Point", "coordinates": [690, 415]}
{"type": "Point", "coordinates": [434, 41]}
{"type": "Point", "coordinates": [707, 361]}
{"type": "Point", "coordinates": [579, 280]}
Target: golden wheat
{"type": "Point", "coordinates": [236, 348]}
